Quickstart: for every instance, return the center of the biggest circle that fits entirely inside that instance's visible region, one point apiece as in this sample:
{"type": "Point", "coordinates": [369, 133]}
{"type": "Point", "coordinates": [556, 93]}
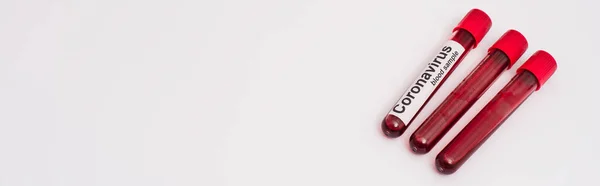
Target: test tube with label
{"type": "Point", "coordinates": [530, 77]}
{"type": "Point", "coordinates": [501, 56]}
{"type": "Point", "coordinates": [466, 36]}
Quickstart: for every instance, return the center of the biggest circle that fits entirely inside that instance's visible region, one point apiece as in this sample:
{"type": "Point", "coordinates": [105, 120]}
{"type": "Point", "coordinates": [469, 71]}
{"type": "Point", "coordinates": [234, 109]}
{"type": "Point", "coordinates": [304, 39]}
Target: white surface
{"type": "Point", "coordinates": [266, 92]}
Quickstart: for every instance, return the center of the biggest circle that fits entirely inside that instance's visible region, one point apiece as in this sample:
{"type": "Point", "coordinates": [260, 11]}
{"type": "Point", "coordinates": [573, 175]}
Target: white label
{"type": "Point", "coordinates": [437, 69]}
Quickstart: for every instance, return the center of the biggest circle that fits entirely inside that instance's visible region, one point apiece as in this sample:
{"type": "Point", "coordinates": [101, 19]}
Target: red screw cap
{"type": "Point", "coordinates": [542, 65]}
{"type": "Point", "coordinates": [477, 23]}
{"type": "Point", "coordinates": [513, 44]}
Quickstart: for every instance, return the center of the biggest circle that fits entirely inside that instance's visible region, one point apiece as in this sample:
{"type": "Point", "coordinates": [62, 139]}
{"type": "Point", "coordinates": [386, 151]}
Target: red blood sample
{"type": "Point", "coordinates": [466, 36]}
{"type": "Point", "coordinates": [530, 77]}
{"type": "Point", "coordinates": [501, 56]}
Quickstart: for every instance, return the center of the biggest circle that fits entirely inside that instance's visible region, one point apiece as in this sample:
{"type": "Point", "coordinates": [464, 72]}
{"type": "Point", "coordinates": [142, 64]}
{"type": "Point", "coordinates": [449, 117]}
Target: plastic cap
{"type": "Point", "coordinates": [513, 44]}
{"type": "Point", "coordinates": [477, 23]}
{"type": "Point", "coordinates": [542, 65]}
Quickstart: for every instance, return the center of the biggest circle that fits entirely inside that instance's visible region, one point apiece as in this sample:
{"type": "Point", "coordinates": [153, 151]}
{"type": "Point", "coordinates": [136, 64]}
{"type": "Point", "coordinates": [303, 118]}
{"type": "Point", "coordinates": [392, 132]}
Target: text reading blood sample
{"type": "Point", "coordinates": [465, 37]}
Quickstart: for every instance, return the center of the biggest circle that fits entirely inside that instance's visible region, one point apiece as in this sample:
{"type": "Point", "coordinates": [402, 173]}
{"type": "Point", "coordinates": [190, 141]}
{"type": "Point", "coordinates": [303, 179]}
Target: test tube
{"type": "Point", "coordinates": [501, 56]}
{"type": "Point", "coordinates": [466, 36]}
{"type": "Point", "coordinates": [530, 77]}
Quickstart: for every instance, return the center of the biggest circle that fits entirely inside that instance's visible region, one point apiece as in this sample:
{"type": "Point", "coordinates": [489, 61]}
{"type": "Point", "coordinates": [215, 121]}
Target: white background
{"type": "Point", "coordinates": [268, 92]}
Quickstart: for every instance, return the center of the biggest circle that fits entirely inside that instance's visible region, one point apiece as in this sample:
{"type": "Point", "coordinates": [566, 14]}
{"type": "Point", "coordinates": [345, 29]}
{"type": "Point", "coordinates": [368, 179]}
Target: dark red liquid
{"type": "Point", "coordinates": [458, 102]}
{"type": "Point", "coordinates": [390, 125]}
{"type": "Point", "coordinates": [456, 153]}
